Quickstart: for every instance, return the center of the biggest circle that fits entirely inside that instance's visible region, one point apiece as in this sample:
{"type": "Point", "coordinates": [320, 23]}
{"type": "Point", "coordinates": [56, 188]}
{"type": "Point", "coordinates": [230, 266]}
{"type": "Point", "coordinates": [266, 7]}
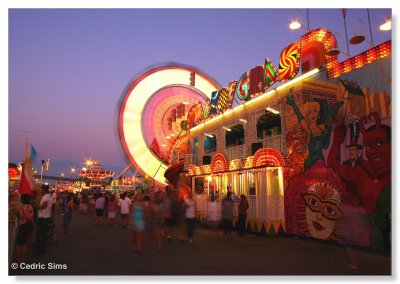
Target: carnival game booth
{"type": "Point", "coordinates": [259, 177]}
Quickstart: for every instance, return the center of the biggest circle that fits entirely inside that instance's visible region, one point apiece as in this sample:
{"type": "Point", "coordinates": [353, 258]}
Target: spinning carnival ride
{"type": "Point", "coordinates": [153, 116]}
{"type": "Point", "coordinates": [95, 173]}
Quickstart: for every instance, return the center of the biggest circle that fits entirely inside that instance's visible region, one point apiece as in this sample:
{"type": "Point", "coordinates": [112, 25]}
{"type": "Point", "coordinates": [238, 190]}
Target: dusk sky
{"type": "Point", "coordinates": [68, 68]}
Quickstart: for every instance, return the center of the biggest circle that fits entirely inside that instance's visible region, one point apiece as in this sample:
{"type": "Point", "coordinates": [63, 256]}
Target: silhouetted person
{"type": "Point", "coordinates": [243, 207]}
{"type": "Point", "coordinates": [227, 215]}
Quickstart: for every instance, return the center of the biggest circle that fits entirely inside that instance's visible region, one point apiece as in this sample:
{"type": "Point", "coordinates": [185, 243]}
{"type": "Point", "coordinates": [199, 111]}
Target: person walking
{"type": "Point", "coordinates": [91, 202]}
{"type": "Point", "coordinates": [112, 210]}
{"type": "Point", "coordinates": [213, 215]}
{"type": "Point", "coordinates": [76, 201]}
{"type": "Point", "coordinates": [243, 207]}
{"type": "Point", "coordinates": [68, 209]}
{"type": "Point", "coordinates": [84, 201]}
{"type": "Point", "coordinates": [189, 206]}
{"type": "Point", "coordinates": [100, 205]}
{"type": "Point", "coordinates": [125, 204]}
{"type": "Point", "coordinates": [227, 215]}
{"type": "Point", "coordinates": [25, 227]}
{"type": "Point", "coordinates": [138, 222]}
{"type": "Point", "coordinates": [171, 214]}
{"type": "Point", "coordinates": [156, 218]}
{"type": "Point", "coordinates": [45, 219]}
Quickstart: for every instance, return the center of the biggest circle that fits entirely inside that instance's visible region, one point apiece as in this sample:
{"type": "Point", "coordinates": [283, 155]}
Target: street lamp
{"type": "Point", "coordinates": [72, 170]}
{"type": "Point", "coordinates": [332, 51]}
{"type": "Point", "coordinates": [62, 174]}
{"type": "Point", "coordinates": [386, 26]}
{"type": "Point", "coordinates": [356, 39]}
{"type": "Point", "coordinates": [297, 24]}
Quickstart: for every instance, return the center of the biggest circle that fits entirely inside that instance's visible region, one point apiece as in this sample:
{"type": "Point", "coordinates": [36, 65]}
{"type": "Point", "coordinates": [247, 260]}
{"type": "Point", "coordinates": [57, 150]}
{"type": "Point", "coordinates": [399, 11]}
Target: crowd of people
{"type": "Point", "coordinates": [156, 217]}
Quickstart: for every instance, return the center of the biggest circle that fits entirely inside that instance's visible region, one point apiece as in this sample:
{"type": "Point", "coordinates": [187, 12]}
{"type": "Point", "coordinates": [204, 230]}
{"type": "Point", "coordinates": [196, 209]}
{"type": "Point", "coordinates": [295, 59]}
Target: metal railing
{"type": "Point", "coordinates": [12, 234]}
{"type": "Point", "coordinates": [252, 212]}
{"type": "Point", "coordinates": [202, 202]}
{"type": "Point", "coordinates": [275, 210]}
{"type": "Point", "coordinates": [273, 142]}
{"type": "Point", "coordinates": [259, 208]}
{"type": "Point", "coordinates": [236, 152]}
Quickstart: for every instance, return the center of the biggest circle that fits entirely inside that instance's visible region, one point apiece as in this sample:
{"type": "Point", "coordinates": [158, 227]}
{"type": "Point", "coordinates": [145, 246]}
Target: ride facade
{"type": "Point", "coordinates": [313, 155]}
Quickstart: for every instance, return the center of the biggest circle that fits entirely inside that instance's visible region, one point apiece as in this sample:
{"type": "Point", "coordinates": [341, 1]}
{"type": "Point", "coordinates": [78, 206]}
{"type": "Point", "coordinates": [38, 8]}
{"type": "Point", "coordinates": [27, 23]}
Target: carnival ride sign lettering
{"type": "Point", "coordinates": [260, 78]}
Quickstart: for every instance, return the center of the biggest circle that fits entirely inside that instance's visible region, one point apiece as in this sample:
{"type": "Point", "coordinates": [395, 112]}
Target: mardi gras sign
{"type": "Point", "coordinates": [260, 78]}
{"type": "Point", "coordinates": [311, 49]}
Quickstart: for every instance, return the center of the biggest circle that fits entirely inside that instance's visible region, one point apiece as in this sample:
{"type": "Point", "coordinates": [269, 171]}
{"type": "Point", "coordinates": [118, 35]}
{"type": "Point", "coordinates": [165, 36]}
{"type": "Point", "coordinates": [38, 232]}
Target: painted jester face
{"type": "Point", "coordinates": [321, 215]}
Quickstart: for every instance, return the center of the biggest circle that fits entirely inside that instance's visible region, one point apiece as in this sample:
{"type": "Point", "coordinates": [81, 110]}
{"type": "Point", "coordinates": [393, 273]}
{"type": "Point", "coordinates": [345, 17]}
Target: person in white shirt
{"type": "Point", "coordinates": [190, 215]}
{"type": "Point", "coordinates": [125, 204]}
{"type": "Point", "coordinates": [214, 215]}
{"type": "Point", "coordinates": [45, 218]}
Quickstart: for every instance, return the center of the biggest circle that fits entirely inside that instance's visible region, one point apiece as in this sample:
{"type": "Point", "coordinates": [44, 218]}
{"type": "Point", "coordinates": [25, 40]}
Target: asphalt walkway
{"type": "Point", "coordinates": [92, 250]}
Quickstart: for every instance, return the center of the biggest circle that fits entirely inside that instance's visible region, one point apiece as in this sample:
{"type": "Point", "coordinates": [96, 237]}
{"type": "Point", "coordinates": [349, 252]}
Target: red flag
{"type": "Point", "coordinates": [25, 186]}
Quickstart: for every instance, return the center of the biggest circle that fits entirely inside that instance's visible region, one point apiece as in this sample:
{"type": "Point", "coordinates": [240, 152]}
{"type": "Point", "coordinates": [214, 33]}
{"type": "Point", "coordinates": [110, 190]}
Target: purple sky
{"type": "Point", "coordinates": [68, 68]}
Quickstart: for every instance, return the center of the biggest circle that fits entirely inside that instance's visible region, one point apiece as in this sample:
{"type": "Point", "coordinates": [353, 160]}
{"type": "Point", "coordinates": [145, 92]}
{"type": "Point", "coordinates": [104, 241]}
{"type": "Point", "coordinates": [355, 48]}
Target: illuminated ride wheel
{"type": "Point", "coordinates": [152, 111]}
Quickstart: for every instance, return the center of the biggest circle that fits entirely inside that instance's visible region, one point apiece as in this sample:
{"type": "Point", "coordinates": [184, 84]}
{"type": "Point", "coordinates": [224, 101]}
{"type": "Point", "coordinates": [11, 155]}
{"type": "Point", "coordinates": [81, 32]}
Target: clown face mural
{"type": "Point", "coordinates": [322, 210]}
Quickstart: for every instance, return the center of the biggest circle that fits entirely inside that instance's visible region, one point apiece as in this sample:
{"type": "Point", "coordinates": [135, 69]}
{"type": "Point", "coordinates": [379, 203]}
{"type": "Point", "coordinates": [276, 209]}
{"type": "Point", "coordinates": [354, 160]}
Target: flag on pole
{"type": "Point", "coordinates": [26, 184]}
{"type": "Point", "coordinates": [45, 164]}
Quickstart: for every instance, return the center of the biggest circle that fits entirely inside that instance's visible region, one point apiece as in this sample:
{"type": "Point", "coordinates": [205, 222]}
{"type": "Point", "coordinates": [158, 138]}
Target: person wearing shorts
{"type": "Point", "coordinates": [138, 222]}
{"type": "Point", "coordinates": [112, 210]}
{"type": "Point", "coordinates": [125, 204]}
{"type": "Point", "coordinates": [100, 204]}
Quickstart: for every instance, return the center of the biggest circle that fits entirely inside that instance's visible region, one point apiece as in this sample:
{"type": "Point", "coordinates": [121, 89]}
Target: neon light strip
{"type": "Point", "coordinates": [336, 69]}
{"type": "Point", "coordinates": [274, 111]}
{"type": "Point", "coordinates": [256, 99]}
{"type": "Point", "coordinates": [260, 97]}
{"type": "Point", "coordinates": [298, 79]}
